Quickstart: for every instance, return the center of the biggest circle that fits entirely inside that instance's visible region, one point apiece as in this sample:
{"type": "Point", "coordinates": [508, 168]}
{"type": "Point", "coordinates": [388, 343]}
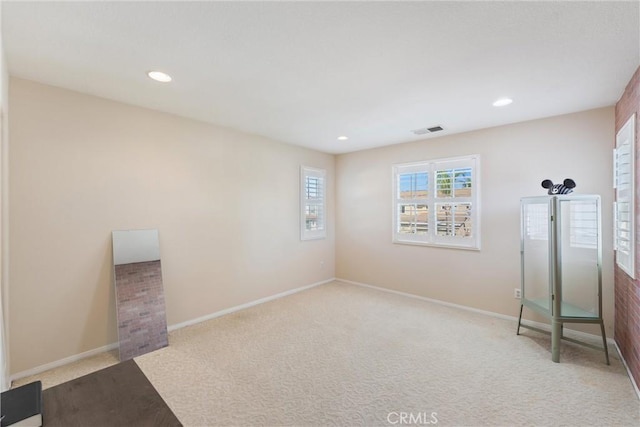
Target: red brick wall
{"type": "Point", "coordinates": [627, 290]}
{"type": "Point", "coordinates": [142, 321]}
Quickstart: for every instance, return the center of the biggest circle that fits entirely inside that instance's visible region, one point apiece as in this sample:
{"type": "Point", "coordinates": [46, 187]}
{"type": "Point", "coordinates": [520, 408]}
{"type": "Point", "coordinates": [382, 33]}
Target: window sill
{"type": "Point", "coordinates": [436, 245]}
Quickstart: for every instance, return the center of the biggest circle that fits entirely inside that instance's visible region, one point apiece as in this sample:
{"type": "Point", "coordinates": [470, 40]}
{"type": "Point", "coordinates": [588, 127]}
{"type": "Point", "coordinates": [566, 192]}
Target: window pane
{"type": "Point", "coordinates": [405, 219]}
{"type": "Point", "coordinates": [422, 219]}
{"type": "Point", "coordinates": [463, 220]}
{"type": "Point", "coordinates": [462, 182]}
{"type": "Point", "coordinates": [413, 219]}
{"type": "Point", "coordinates": [313, 217]}
{"type": "Point", "coordinates": [444, 183]}
{"type": "Point", "coordinates": [405, 185]}
{"type": "Point", "coordinates": [444, 221]}
{"type": "Point", "coordinates": [413, 185]}
{"type": "Point", "coordinates": [453, 182]}
{"type": "Point", "coordinates": [313, 187]}
{"type": "Point", "coordinates": [454, 219]}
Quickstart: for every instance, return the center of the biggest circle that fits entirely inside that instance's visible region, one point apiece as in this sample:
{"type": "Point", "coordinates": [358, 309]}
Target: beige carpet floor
{"type": "Point", "coordinates": [341, 354]}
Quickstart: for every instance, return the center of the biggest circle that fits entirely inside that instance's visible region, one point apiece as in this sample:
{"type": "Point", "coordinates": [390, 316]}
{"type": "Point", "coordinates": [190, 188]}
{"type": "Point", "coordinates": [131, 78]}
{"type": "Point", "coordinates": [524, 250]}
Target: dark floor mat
{"type": "Point", "coordinates": [120, 395]}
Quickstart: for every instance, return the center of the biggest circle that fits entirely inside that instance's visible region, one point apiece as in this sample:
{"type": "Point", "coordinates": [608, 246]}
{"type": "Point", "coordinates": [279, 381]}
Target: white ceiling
{"type": "Point", "coordinates": [306, 72]}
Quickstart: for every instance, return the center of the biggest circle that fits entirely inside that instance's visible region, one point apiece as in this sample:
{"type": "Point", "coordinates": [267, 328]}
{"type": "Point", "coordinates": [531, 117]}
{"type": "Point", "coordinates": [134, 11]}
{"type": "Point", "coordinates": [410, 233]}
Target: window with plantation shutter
{"type": "Point", "coordinates": [436, 203]}
{"type": "Point", "coordinates": [312, 203]}
{"type": "Point", "coordinates": [624, 184]}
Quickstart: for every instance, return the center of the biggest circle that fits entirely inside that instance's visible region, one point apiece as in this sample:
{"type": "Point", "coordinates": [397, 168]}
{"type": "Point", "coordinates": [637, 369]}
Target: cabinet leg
{"type": "Point", "coordinates": [604, 343]}
{"type": "Point", "coordinates": [519, 319]}
{"type": "Point", "coordinates": [556, 334]}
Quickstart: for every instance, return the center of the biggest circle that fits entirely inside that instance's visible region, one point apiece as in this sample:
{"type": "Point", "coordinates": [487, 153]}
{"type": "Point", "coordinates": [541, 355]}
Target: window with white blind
{"type": "Point", "coordinates": [624, 183]}
{"type": "Point", "coordinates": [436, 203]}
{"type": "Point", "coordinates": [312, 203]}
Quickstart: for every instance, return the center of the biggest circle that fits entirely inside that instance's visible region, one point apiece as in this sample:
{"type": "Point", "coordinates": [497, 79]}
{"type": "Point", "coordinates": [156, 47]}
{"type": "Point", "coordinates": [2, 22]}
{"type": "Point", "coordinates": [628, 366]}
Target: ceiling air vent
{"type": "Point", "coordinates": [424, 131]}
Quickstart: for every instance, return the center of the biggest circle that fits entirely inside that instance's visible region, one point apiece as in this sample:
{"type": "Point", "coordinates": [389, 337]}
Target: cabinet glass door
{"type": "Point", "coordinates": [579, 251]}
{"type": "Point", "coordinates": [535, 256]}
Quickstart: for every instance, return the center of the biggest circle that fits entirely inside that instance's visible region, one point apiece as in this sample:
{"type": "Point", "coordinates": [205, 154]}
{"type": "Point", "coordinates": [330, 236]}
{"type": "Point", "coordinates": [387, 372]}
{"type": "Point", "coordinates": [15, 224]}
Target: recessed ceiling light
{"type": "Point", "coordinates": [502, 102]}
{"type": "Point", "coordinates": [343, 138]}
{"type": "Point", "coordinates": [159, 76]}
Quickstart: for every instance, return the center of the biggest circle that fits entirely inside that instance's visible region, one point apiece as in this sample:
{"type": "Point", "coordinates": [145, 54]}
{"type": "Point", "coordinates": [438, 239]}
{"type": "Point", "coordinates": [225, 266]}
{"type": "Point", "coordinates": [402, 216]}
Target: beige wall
{"type": "Point", "coordinates": [225, 203]}
{"type": "Point", "coordinates": [514, 160]}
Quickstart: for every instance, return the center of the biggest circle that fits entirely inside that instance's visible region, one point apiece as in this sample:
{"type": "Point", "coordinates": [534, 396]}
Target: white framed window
{"type": "Point", "coordinates": [437, 202]}
{"type": "Point", "coordinates": [624, 209]}
{"type": "Point", "coordinates": [312, 203]}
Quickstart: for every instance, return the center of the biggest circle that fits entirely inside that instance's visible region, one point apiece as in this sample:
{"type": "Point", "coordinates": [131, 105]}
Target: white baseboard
{"type": "Point", "coordinates": [543, 326]}
{"type": "Point", "coordinates": [624, 362]}
{"type": "Point", "coordinates": [112, 346]}
{"type": "Point", "coordinates": [62, 362]}
{"type": "Point", "coordinates": [247, 305]}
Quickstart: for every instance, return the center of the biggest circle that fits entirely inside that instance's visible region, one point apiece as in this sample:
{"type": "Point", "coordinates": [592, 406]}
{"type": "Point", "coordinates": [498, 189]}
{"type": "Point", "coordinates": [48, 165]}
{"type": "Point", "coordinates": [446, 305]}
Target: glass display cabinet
{"type": "Point", "coordinates": [561, 258]}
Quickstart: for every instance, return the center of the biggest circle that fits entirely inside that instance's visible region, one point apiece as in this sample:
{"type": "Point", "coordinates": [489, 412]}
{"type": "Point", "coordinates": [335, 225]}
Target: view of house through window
{"type": "Point", "coordinates": [312, 203]}
{"type": "Point", "coordinates": [436, 202]}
